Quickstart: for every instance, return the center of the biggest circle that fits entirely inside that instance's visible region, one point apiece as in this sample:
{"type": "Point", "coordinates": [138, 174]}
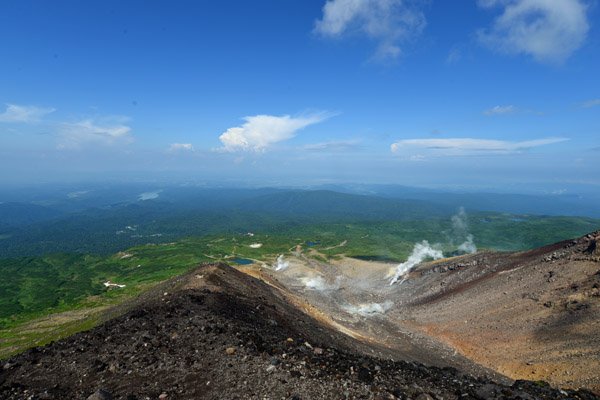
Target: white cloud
{"type": "Point", "coordinates": [25, 114]}
{"type": "Point", "coordinates": [591, 103]}
{"type": "Point", "coordinates": [75, 135]}
{"type": "Point", "coordinates": [499, 110]}
{"type": "Point", "coordinates": [180, 147]}
{"type": "Point", "coordinates": [417, 157]}
{"type": "Point", "coordinates": [259, 132]}
{"type": "Point", "coordinates": [454, 55]}
{"type": "Point", "coordinates": [390, 22]}
{"type": "Point", "coordinates": [464, 146]}
{"type": "Point", "coordinates": [547, 30]}
{"type": "Point", "coordinates": [334, 145]}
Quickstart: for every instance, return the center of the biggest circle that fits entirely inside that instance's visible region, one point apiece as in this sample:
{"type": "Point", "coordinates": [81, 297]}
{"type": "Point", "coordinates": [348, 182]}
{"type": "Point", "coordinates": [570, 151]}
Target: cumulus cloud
{"type": "Point", "coordinates": [180, 147]}
{"type": "Point", "coordinates": [389, 22]}
{"type": "Point", "coordinates": [547, 30]}
{"type": "Point", "coordinates": [75, 135]}
{"type": "Point", "coordinates": [466, 146]}
{"type": "Point", "coordinates": [24, 114]}
{"type": "Point", "coordinates": [499, 110]}
{"type": "Point", "coordinates": [259, 132]}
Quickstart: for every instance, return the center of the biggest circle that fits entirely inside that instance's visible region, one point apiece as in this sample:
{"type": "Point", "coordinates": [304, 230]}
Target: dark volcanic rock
{"type": "Point", "coordinates": [594, 246]}
{"type": "Point", "coordinates": [175, 345]}
{"type": "Point", "coordinates": [100, 394]}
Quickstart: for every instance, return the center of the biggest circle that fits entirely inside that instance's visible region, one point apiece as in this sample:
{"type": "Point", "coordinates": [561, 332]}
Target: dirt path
{"type": "Point", "coordinates": [345, 242]}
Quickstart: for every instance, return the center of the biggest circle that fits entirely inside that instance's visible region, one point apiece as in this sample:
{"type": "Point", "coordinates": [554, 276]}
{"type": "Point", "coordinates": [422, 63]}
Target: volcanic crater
{"type": "Point", "coordinates": [481, 326]}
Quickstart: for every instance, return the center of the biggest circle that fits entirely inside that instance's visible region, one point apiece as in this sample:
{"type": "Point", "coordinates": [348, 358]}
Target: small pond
{"type": "Point", "coordinates": [242, 261]}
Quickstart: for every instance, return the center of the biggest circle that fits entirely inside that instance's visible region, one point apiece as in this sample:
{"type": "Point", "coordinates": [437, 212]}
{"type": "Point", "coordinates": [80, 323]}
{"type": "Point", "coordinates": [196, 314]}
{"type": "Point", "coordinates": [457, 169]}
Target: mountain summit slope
{"type": "Point", "coordinates": [526, 315]}
{"type": "Point", "coordinates": [218, 333]}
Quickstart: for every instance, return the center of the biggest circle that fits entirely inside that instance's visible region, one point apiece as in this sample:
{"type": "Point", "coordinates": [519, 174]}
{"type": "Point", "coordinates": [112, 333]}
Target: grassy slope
{"type": "Point", "coordinates": [70, 287]}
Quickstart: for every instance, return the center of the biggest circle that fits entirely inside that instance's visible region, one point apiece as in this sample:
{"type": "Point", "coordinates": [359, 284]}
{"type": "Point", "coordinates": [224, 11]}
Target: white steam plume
{"type": "Point", "coordinates": [420, 252]}
{"type": "Point", "coordinates": [468, 246]}
{"type": "Point", "coordinates": [460, 231]}
{"type": "Point", "coordinates": [318, 283]}
{"type": "Point", "coordinates": [281, 264]}
{"type": "Point", "coordinates": [369, 309]}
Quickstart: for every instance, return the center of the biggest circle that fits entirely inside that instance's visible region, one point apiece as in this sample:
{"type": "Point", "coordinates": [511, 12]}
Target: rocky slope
{"type": "Point", "coordinates": [528, 315]}
{"type": "Point", "coordinates": [217, 333]}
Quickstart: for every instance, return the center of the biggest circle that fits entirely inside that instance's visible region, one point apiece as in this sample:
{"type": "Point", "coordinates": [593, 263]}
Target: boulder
{"type": "Point", "coordinates": [594, 247]}
{"type": "Point", "coordinates": [100, 394]}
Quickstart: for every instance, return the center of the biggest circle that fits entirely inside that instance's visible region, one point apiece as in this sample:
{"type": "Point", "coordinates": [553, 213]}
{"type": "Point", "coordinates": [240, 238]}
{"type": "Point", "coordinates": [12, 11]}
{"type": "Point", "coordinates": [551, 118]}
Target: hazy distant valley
{"type": "Point", "coordinates": [102, 219]}
{"type": "Point", "coordinates": [383, 278]}
{"type": "Point", "coordinates": [69, 257]}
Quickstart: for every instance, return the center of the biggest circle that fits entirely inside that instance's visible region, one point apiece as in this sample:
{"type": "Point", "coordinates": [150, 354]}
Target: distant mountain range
{"type": "Point", "coordinates": [326, 205]}
{"type": "Point", "coordinates": [585, 204]}
{"type": "Point", "coordinates": [95, 219]}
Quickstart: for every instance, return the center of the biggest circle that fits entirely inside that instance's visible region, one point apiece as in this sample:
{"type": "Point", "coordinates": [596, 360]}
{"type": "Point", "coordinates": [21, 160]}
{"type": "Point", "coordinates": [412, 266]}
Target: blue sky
{"type": "Point", "coordinates": [487, 94]}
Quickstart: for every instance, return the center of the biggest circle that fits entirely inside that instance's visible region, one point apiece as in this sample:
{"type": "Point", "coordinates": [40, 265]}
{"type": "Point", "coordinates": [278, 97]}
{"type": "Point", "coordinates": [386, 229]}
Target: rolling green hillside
{"type": "Point", "coordinates": [34, 286]}
{"type": "Point", "coordinates": [61, 265]}
{"type": "Point", "coordinates": [177, 213]}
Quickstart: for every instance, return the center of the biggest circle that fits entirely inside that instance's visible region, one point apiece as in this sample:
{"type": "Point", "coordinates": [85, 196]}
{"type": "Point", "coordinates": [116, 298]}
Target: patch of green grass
{"type": "Point", "coordinates": [35, 287]}
{"type": "Point", "coordinates": [24, 336]}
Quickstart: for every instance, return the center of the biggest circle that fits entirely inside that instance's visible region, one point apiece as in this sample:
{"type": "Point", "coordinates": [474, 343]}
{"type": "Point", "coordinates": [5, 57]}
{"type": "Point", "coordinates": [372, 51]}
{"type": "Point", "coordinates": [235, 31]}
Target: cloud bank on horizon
{"type": "Point", "coordinates": [466, 146]}
{"type": "Point", "coordinates": [90, 132]}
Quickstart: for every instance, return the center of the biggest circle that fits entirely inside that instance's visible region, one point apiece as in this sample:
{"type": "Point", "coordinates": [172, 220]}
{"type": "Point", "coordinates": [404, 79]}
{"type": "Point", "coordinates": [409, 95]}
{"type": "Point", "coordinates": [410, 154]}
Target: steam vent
{"type": "Point", "coordinates": [315, 330]}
